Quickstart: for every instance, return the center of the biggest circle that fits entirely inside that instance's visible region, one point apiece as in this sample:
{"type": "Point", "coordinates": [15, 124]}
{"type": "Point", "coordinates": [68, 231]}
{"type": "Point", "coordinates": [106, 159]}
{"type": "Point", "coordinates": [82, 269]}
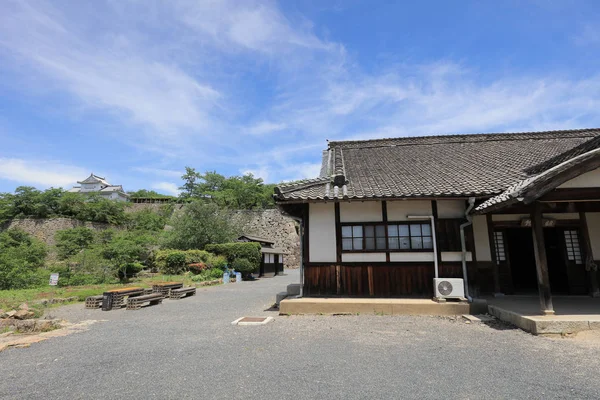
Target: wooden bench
{"type": "Point", "coordinates": [93, 301]}
{"type": "Point", "coordinates": [135, 303]}
{"type": "Point", "coordinates": [165, 288]}
{"type": "Point", "coordinates": [177, 294]}
{"type": "Point", "coordinates": [115, 298]}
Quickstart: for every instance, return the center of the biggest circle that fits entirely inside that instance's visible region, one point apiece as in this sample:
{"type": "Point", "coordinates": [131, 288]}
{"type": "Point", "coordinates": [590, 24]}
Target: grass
{"type": "Point", "coordinates": [10, 299]}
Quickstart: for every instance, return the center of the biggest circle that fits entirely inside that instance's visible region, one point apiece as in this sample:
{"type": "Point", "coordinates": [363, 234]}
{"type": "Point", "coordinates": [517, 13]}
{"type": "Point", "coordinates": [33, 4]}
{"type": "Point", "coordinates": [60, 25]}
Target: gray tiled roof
{"type": "Point", "coordinates": [479, 165]}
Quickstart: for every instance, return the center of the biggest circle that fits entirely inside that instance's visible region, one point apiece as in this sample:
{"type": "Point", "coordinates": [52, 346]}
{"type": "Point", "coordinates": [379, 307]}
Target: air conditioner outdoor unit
{"type": "Point", "coordinates": [449, 288]}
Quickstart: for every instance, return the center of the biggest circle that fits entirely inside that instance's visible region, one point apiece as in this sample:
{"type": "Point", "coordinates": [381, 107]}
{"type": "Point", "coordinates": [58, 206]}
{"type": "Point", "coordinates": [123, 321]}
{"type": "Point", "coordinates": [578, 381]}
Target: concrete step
{"type": "Point", "coordinates": [293, 289]}
{"type": "Point", "coordinates": [371, 306]}
{"type": "Point", "coordinates": [280, 296]}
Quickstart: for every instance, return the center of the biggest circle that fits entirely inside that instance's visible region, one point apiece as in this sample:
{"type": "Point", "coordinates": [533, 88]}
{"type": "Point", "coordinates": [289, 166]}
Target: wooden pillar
{"type": "Point", "coordinates": [495, 266]}
{"type": "Point", "coordinates": [541, 264]}
{"type": "Point", "coordinates": [589, 257]}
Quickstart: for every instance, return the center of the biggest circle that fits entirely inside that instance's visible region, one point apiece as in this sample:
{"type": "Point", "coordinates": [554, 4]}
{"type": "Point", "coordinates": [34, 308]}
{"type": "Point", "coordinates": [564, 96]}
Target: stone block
{"type": "Point", "coordinates": [280, 296]}
{"type": "Point", "coordinates": [293, 289]}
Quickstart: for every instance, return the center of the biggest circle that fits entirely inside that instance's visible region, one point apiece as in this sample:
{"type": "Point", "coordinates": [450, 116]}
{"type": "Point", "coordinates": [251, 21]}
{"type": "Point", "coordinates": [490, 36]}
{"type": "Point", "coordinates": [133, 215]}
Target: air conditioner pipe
{"type": "Point", "coordinates": [435, 252]}
{"type": "Point", "coordinates": [464, 246]}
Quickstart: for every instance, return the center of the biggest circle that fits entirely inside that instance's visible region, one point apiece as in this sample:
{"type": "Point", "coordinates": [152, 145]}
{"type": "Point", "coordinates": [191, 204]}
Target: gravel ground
{"type": "Point", "coordinates": [189, 349]}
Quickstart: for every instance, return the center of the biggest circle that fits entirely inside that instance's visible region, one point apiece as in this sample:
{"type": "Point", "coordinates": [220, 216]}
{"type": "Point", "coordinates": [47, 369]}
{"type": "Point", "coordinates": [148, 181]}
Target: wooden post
{"type": "Point", "coordinates": [589, 257]}
{"type": "Point", "coordinates": [541, 264]}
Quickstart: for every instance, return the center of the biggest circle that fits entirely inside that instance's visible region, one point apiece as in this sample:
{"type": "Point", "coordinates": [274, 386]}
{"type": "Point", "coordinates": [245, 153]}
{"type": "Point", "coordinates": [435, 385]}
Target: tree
{"type": "Point", "coordinates": [71, 241]}
{"type": "Point", "coordinates": [190, 184]}
{"type": "Point", "coordinates": [198, 224]}
{"type": "Point", "coordinates": [146, 220]}
{"type": "Point", "coordinates": [20, 257]}
{"type": "Point", "coordinates": [143, 193]}
{"type": "Point", "coordinates": [126, 252]}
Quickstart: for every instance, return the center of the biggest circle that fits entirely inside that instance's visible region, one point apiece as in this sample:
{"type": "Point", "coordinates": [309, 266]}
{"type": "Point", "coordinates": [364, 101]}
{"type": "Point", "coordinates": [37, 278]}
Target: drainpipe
{"type": "Point", "coordinates": [435, 251]}
{"type": "Point", "coordinates": [464, 246]}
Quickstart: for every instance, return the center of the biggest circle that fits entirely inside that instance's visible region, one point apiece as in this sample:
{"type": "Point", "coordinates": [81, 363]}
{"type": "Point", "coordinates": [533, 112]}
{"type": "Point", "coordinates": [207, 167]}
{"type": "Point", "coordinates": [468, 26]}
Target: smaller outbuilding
{"type": "Point", "coordinates": [272, 257]}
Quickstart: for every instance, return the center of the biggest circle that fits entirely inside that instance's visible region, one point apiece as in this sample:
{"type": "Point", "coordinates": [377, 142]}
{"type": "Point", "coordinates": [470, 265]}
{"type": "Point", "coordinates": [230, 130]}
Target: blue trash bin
{"type": "Point", "coordinates": [238, 277]}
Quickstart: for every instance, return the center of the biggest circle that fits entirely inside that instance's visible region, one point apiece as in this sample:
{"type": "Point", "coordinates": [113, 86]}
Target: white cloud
{"type": "Point", "coordinates": [167, 187]}
{"type": "Point", "coordinates": [39, 173]}
{"type": "Point", "coordinates": [266, 127]}
{"type": "Point", "coordinates": [167, 173]}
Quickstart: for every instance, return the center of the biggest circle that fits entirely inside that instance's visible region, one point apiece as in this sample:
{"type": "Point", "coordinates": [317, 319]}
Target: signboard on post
{"type": "Point", "coordinates": [54, 279]}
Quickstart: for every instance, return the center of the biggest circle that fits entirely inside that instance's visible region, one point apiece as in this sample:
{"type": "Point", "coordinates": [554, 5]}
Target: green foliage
{"type": "Point", "coordinates": [196, 256]}
{"type": "Point", "coordinates": [175, 263]}
{"type": "Point", "coordinates": [146, 220]}
{"type": "Point", "coordinates": [198, 224]}
{"type": "Point", "coordinates": [243, 265]}
{"type": "Point", "coordinates": [21, 256]}
{"type": "Point", "coordinates": [215, 261]}
{"type": "Point", "coordinates": [249, 251]}
{"type": "Point", "coordinates": [148, 194]}
{"type": "Point", "coordinates": [28, 202]}
{"type": "Point", "coordinates": [71, 241]}
{"type": "Point", "coordinates": [208, 275]}
{"type": "Point", "coordinates": [126, 252]}
{"type": "Point", "coordinates": [236, 192]}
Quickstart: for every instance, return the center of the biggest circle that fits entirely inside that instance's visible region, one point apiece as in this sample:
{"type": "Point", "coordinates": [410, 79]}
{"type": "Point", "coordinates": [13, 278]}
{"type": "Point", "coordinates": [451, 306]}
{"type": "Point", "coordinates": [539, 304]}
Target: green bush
{"type": "Point", "coordinates": [197, 268]}
{"type": "Point", "coordinates": [243, 265]}
{"type": "Point", "coordinates": [215, 261]}
{"type": "Point", "coordinates": [232, 251]}
{"type": "Point", "coordinates": [175, 263]}
{"type": "Point", "coordinates": [208, 275]}
{"type": "Point", "coordinates": [196, 256]}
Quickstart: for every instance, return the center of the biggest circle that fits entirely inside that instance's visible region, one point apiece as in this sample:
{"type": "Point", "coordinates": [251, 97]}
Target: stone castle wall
{"type": "Point", "coordinates": [45, 229]}
{"type": "Point", "coordinates": [270, 224]}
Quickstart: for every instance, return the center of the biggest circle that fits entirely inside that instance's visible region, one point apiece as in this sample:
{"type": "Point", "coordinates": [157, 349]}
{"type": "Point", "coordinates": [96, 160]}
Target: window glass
{"type": "Point", "coordinates": [369, 231]}
{"type": "Point", "coordinates": [415, 230]}
{"type": "Point", "coordinates": [346, 231]}
{"type": "Point", "coordinates": [416, 243]}
{"type": "Point", "coordinates": [392, 230]}
{"type": "Point", "coordinates": [358, 243]}
{"type": "Point", "coordinates": [357, 231]}
{"type": "Point", "coordinates": [380, 230]}
{"type": "Point", "coordinates": [380, 243]}
{"type": "Point", "coordinates": [370, 243]}
{"type": "Point", "coordinates": [346, 244]}
{"type": "Point", "coordinates": [403, 230]}
{"type": "Point", "coordinates": [427, 242]}
{"type": "Point", "coordinates": [404, 243]}
{"type": "Point", "coordinates": [393, 243]}
{"type": "Point", "coordinates": [426, 229]}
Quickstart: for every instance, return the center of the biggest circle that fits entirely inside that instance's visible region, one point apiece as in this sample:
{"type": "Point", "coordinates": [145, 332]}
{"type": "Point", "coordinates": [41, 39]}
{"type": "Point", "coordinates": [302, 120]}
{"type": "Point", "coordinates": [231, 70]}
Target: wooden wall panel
{"type": "Point", "coordinates": [386, 280]}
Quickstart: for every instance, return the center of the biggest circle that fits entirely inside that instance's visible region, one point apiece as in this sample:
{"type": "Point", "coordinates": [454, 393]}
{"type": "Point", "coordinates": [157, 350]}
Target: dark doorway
{"type": "Point", "coordinates": [557, 268]}
{"type": "Point", "coordinates": [522, 260]}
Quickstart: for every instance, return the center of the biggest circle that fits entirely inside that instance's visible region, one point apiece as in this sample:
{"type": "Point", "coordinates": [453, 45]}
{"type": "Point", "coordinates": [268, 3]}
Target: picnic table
{"type": "Point", "coordinates": [115, 298]}
{"type": "Point", "coordinates": [165, 288]}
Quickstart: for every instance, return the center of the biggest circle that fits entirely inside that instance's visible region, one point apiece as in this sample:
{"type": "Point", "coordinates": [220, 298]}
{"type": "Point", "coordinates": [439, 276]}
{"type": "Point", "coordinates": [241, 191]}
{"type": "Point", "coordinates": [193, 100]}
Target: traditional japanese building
{"type": "Point", "coordinates": [98, 185]}
{"type": "Point", "coordinates": [271, 263]}
{"type": "Point", "coordinates": [509, 213]}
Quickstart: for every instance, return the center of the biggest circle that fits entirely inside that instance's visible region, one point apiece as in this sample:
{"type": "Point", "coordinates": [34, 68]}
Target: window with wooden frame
{"type": "Point", "coordinates": [499, 246]}
{"type": "Point", "coordinates": [395, 236]}
{"type": "Point", "coordinates": [573, 248]}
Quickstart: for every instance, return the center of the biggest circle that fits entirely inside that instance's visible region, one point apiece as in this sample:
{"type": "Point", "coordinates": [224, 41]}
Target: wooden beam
{"type": "Point", "coordinates": [384, 218]}
{"type": "Point", "coordinates": [541, 263]}
{"type": "Point", "coordinates": [589, 257]}
{"type": "Point", "coordinates": [338, 233]}
{"type": "Point", "coordinates": [434, 212]}
{"type": "Point", "coordinates": [495, 267]}
{"type": "Point", "coordinates": [572, 194]}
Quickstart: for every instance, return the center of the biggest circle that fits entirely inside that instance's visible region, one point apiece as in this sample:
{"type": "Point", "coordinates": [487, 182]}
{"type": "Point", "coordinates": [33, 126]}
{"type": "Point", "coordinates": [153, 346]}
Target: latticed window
{"type": "Point", "coordinates": [352, 237]}
{"type": "Point", "coordinates": [374, 237]}
{"type": "Point", "coordinates": [499, 246]}
{"type": "Point", "coordinates": [410, 237]}
{"type": "Point", "coordinates": [573, 248]}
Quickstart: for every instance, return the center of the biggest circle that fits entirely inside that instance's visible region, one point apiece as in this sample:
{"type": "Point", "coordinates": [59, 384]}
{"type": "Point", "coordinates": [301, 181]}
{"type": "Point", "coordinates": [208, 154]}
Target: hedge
{"type": "Point", "coordinates": [243, 250]}
{"type": "Point", "coordinates": [191, 257]}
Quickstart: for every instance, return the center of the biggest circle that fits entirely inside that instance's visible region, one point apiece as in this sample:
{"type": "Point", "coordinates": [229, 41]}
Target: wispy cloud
{"type": "Point", "coordinates": [167, 187]}
{"type": "Point", "coordinates": [41, 174]}
{"type": "Point", "coordinates": [266, 127]}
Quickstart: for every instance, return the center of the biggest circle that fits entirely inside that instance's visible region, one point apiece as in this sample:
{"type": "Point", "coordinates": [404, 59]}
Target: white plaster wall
{"type": "Point", "coordinates": [589, 179]}
{"type": "Point", "coordinates": [450, 256]}
{"type": "Point", "coordinates": [364, 211]}
{"type": "Point", "coordinates": [412, 257]}
{"type": "Point", "coordinates": [451, 208]}
{"type": "Point", "coordinates": [482, 240]}
{"type": "Point", "coordinates": [321, 232]}
{"type": "Point", "coordinates": [593, 223]}
{"type": "Point", "coordinates": [399, 209]}
{"type": "Point", "coordinates": [363, 257]}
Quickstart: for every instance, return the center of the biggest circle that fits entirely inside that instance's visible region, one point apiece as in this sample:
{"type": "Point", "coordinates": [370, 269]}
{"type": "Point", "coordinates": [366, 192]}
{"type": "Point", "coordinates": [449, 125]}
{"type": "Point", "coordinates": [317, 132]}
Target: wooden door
{"type": "Point", "coordinates": [574, 259]}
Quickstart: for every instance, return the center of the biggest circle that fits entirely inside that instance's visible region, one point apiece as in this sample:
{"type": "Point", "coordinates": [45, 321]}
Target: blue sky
{"type": "Point", "coordinates": [136, 90]}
